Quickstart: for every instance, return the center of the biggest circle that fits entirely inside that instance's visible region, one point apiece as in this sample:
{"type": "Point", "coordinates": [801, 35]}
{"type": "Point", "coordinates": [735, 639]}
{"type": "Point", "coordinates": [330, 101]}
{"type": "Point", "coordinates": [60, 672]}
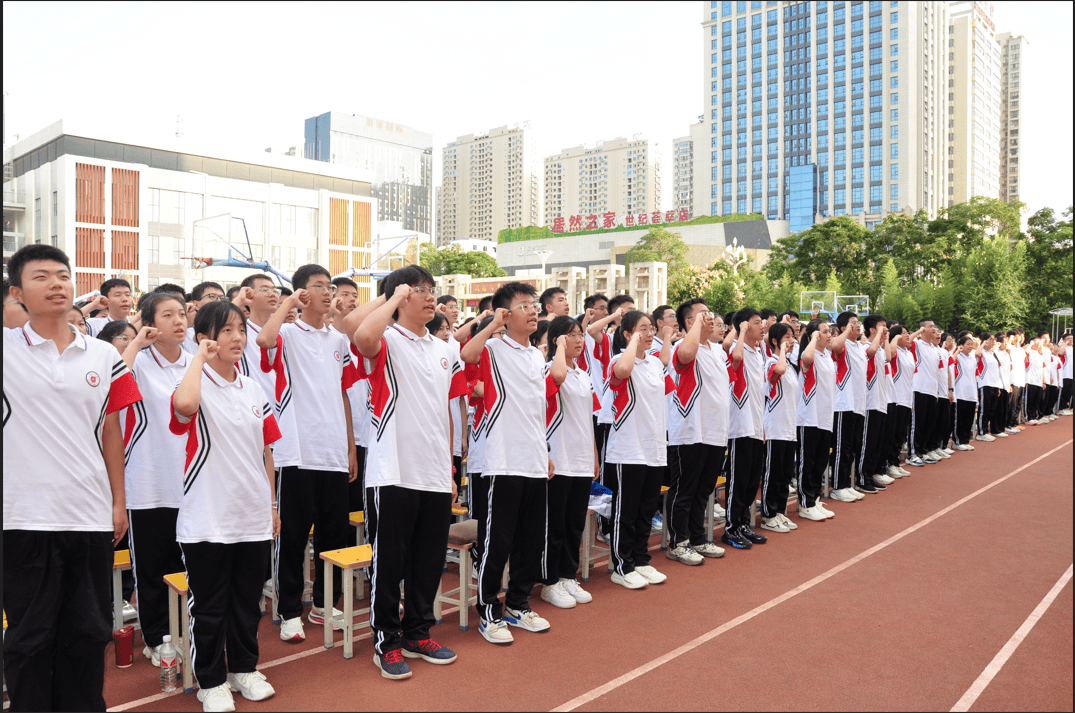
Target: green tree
{"type": "Point", "coordinates": [660, 245]}
{"type": "Point", "coordinates": [896, 302]}
{"type": "Point", "coordinates": [839, 245]}
{"type": "Point", "coordinates": [994, 297]}
{"type": "Point", "coordinates": [1049, 266]}
{"type": "Point", "coordinates": [454, 261]}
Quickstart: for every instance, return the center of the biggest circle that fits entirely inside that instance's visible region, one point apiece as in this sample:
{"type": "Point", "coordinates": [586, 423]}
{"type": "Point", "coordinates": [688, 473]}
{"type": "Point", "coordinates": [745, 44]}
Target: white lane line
{"type": "Point", "coordinates": [968, 699]}
{"type": "Point", "coordinates": [761, 609]}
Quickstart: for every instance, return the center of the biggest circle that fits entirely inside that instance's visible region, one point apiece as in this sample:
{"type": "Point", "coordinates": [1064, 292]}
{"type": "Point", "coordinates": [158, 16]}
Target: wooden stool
{"type": "Point", "coordinates": [461, 538]}
{"type": "Point", "coordinates": [178, 615]}
{"type": "Point", "coordinates": [348, 558]}
{"type": "Point", "coordinates": [590, 550]}
{"type": "Point", "coordinates": [121, 561]}
{"type": "Point", "coordinates": [664, 517]}
{"type": "Point", "coordinates": [358, 521]}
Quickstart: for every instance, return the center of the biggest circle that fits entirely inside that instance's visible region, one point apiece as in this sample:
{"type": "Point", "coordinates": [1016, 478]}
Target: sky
{"type": "Point", "coordinates": [248, 74]}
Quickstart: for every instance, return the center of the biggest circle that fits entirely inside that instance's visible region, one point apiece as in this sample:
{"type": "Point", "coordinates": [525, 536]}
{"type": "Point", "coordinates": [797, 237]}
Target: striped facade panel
{"type": "Point", "coordinates": [361, 238]}
{"type": "Point", "coordinates": [363, 225]}
{"type": "Point", "coordinates": [337, 222]}
{"type": "Point", "coordinates": [90, 247]}
{"type": "Point", "coordinates": [125, 197]}
{"type": "Point", "coordinates": [90, 193]}
{"type": "Point", "coordinates": [87, 282]}
{"type": "Point", "coordinates": [124, 250]}
{"type": "Point", "coordinates": [337, 261]}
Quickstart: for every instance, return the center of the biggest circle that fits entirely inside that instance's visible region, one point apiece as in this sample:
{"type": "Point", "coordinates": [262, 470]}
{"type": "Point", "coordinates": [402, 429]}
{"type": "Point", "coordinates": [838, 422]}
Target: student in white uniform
{"type": "Point", "coordinates": [358, 395]}
{"type": "Point", "coordinates": [516, 467]}
{"type": "Point", "coordinates": [1004, 356]}
{"type": "Point", "coordinates": [814, 416]}
{"type": "Point", "coordinates": [969, 349]}
{"type": "Point", "coordinates": [258, 297]}
{"type": "Point", "coordinates": [202, 294]}
{"type": "Point", "coordinates": [851, 357]}
{"type": "Point", "coordinates": [697, 432]}
{"type": "Point", "coordinates": [989, 385]}
{"type": "Point", "coordinates": [414, 377]}
{"type": "Point", "coordinates": [569, 430]}
{"type": "Point", "coordinates": [1015, 416]}
{"type": "Point", "coordinates": [1065, 375]}
{"type": "Point", "coordinates": [115, 299]}
{"type": "Point", "coordinates": [154, 456]}
{"type": "Point", "coordinates": [63, 491]}
{"type": "Point", "coordinates": [1035, 380]}
{"type": "Point", "coordinates": [781, 402]}
{"type": "Point", "coordinates": [899, 373]}
{"type": "Point", "coordinates": [316, 452]}
{"type": "Point", "coordinates": [636, 453]}
{"type": "Point", "coordinates": [871, 465]}
{"type": "Point", "coordinates": [599, 358]}
{"type": "Point", "coordinates": [924, 385]}
{"type": "Point", "coordinates": [227, 517]}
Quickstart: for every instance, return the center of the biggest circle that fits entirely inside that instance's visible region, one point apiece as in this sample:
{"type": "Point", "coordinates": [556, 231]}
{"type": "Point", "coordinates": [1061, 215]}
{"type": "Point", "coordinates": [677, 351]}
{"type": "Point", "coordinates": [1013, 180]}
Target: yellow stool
{"type": "Point", "coordinates": [348, 558]}
{"type": "Point", "coordinates": [121, 561]}
{"type": "Point", "coordinates": [461, 538]}
{"type": "Point", "coordinates": [178, 615]}
{"type": "Point", "coordinates": [358, 521]}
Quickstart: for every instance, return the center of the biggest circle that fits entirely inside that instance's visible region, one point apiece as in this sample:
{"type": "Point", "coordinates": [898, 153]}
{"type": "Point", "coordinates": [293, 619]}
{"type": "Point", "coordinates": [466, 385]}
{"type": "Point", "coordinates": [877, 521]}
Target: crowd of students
{"type": "Point", "coordinates": [220, 426]}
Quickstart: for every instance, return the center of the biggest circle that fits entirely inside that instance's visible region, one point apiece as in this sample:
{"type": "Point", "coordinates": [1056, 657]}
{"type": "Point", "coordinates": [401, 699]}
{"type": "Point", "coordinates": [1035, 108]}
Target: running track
{"type": "Point", "coordinates": [950, 590]}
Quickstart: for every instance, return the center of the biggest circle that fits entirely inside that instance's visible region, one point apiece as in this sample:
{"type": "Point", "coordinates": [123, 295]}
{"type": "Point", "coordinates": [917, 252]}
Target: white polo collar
{"type": "Point", "coordinates": [427, 337]}
{"type": "Point", "coordinates": [34, 339]}
{"type": "Point", "coordinates": [237, 383]}
{"type": "Point", "coordinates": [514, 344]}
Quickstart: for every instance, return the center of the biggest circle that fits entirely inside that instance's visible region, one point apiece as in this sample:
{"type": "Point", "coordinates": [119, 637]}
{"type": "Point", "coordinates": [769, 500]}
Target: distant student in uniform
{"type": "Point", "coordinates": [409, 488]}
{"type": "Point", "coordinates": [115, 298]}
{"type": "Point", "coordinates": [899, 374]}
{"type": "Point", "coordinates": [781, 403]}
{"type": "Point", "coordinates": [14, 313]}
{"type": "Point", "coordinates": [358, 395]}
{"type": "Point", "coordinates": [814, 416]}
{"type": "Point", "coordinates": [64, 503]}
{"type": "Point", "coordinates": [202, 294]}
{"type": "Point", "coordinates": [258, 297]}
{"type": "Point", "coordinates": [554, 304]}
{"type": "Point", "coordinates": [227, 517]}
{"type": "Point", "coordinates": [316, 453]}
{"type": "Point", "coordinates": [850, 405]}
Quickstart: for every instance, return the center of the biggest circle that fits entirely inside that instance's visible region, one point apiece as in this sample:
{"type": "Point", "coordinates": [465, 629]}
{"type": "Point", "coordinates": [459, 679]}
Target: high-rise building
{"type": "Point", "coordinates": [439, 209]}
{"type": "Point", "coordinates": [490, 182]}
{"type": "Point", "coordinates": [682, 173]}
{"type": "Point", "coordinates": [620, 176]}
{"type": "Point", "coordinates": [825, 108]}
{"type": "Point", "coordinates": [974, 91]}
{"type": "Point", "coordinates": [400, 157]}
{"type": "Point", "coordinates": [1014, 50]}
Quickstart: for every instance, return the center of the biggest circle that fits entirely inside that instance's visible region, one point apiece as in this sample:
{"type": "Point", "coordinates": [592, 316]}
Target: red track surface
{"type": "Point", "coordinates": [909, 627]}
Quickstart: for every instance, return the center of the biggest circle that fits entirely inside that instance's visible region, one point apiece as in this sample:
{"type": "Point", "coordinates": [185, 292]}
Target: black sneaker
{"type": "Point", "coordinates": [429, 650]}
{"type": "Point", "coordinates": [876, 485]}
{"type": "Point", "coordinates": [392, 664]}
{"type": "Point", "coordinates": [736, 540]}
{"type": "Point", "coordinates": [868, 487]}
{"type": "Point", "coordinates": [752, 536]}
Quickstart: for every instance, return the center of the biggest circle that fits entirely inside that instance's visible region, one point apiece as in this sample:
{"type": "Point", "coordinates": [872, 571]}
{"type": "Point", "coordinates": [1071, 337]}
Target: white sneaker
{"type": "Point", "coordinates": [939, 453]}
{"type": "Point", "coordinates": [963, 447]}
{"type": "Point", "coordinates": [883, 479]}
{"type": "Point", "coordinates": [650, 574]}
{"type": "Point", "coordinates": [824, 510]}
{"type": "Point", "coordinates": [317, 616]}
{"type": "Point", "coordinates": [894, 471]}
{"type": "Point", "coordinates": [903, 471]}
{"type": "Point", "coordinates": [683, 552]}
{"type": "Point", "coordinates": [573, 588]}
{"type": "Point", "coordinates": [252, 685]}
{"type": "Point", "coordinates": [949, 451]}
{"type": "Point", "coordinates": [857, 495]}
{"type": "Point", "coordinates": [842, 496]}
{"type": "Point", "coordinates": [495, 632]}
{"type": "Point", "coordinates": [556, 595]}
{"type": "Point", "coordinates": [787, 523]}
{"type": "Point", "coordinates": [1012, 430]}
{"type": "Point", "coordinates": [773, 524]}
{"type": "Point", "coordinates": [791, 488]}
{"type": "Point", "coordinates": [709, 549]}
{"type": "Point", "coordinates": [527, 619]}
{"type": "Point", "coordinates": [1002, 434]}
{"type": "Point", "coordinates": [812, 514]}
{"type": "Point", "coordinates": [291, 630]}
{"type": "Point", "coordinates": [631, 580]}
{"type": "Point", "coordinates": [719, 512]}
{"type": "Point", "coordinates": [216, 699]}
{"type": "Point", "coordinates": [985, 437]}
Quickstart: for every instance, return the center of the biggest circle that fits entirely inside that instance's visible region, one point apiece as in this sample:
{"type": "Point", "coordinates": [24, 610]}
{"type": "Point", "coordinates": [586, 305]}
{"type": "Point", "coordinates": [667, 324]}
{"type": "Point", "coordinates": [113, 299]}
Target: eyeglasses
{"type": "Point", "coordinates": [501, 334]}
{"type": "Point", "coordinates": [269, 291]}
{"type": "Point", "coordinates": [212, 297]}
{"type": "Point", "coordinates": [577, 336]}
{"type": "Point", "coordinates": [121, 338]}
{"type": "Point", "coordinates": [330, 289]}
{"type": "Point", "coordinates": [646, 330]}
{"type": "Point", "coordinates": [11, 302]}
{"type": "Point", "coordinates": [528, 307]}
{"type": "Point", "coordinates": [426, 290]}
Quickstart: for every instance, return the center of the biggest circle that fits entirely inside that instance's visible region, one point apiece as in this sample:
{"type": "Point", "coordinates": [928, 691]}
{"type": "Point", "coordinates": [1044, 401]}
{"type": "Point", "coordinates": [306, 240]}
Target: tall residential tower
{"type": "Point", "coordinates": [622, 176]}
{"type": "Point", "coordinates": [1014, 49]}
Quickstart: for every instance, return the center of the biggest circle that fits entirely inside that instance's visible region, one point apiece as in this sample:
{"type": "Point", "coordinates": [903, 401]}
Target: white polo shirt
{"type": "Point", "coordinates": [781, 401]}
{"type": "Point", "coordinates": [54, 411]}
{"type": "Point", "coordinates": [226, 496]}
{"type": "Point", "coordinates": [314, 367]}
{"type": "Point", "coordinates": [966, 377]}
{"type": "Point", "coordinates": [943, 372]}
{"type": "Point", "coordinates": [901, 372]}
{"type": "Point", "coordinates": [1005, 360]}
{"type": "Point", "coordinates": [639, 429]}
{"type": "Point", "coordinates": [190, 344]}
{"type": "Point", "coordinates": [413, 381]}
{"type": "Point", "coordinates": [153, 477]}
{"type": "Point", "coordinates": [989, 370]}
{"type": "Point", "coordinates": [927, 363]}
{"type": "Point", "coordinates": [1035, 368]}
{"type": "Point", "coordinates": [569, 423]}
{"type": "Point", "coordinates": [851, 378]}
{"type": "Point", "coordinates": [598, 354]}
{"type": "Point", "coordinates": [876, 398]}
{"type": "Point", "coordinates": [358, 395]}
{"type": "Point", "coordinates": [94, 325]}
{"type": "Point", "coordinates": [515, 403]}
{"type": "Point", "coordinates": [698, 410]}
{"type": "Point", "coordinates": [746, 406]}
{"type": "Point", "coordinates": [476, 436]}
{"type": "Point", "coordinates": [817, 387]}
{"type": "Point", "coordinates": [253, 364]}
{"type": "Point", "coordinates": [1067, 363]}
{"type": "Point", "coordinates": [1018, 355]}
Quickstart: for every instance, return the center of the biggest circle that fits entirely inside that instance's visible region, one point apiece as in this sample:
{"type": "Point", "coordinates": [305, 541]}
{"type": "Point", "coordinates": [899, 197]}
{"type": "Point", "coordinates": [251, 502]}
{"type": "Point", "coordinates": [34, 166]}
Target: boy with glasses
{"type": "Point", "coordinates": [259, 298]}
{"type": "Point", "coordinates": [316, 454]}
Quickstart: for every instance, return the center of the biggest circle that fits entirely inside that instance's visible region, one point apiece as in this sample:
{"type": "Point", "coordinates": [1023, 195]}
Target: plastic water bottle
{"type": "Point", "coordinates": [169, 665]}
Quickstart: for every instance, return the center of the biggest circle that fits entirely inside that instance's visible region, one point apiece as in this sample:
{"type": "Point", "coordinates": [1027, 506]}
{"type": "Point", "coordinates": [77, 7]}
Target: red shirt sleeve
{"type": "Point", "coordinates": [270, 430]}
{"type": "Point", "coordinates": [174, 424]}
{"type": "Point", "coordinates": [349, 376]}
{"type": "Point", "coordinates": [551, 387]}
{"type": "Point", "coordinates": [267, 362]}
{"type": "Point", "coordinates": [123, 391]}
{"type": "Point", "coordinates": [669, 385]}
{"type": "Point", "coordinates": [459, 386]}
{"type": "Point", "coordinates": [676, 363]}
{"type": "Point", "coordinates": [277, 366]}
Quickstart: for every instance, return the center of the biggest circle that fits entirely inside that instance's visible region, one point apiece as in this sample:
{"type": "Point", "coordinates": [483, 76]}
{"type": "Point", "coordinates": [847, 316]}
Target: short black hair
{"type": "Point", "coordinates": [766, 313]}
{"type": "Point", "coordinates": [546, 298]}
{"type": "Point", "coordinates": [628, 322]}
{"type": "Point", "coordinates": [304, 273]}
{"type": "Point", "coordinates": [683, 310]}
{"type": "Point", "coordinates": [153, 301]}
{"type": "Point", "coordinates": [542, 327]}
{"type": "Point", "coordinates": [659, 313]}
{"type": "Point", "coordinates": [485, 303]}
{"type": "Point", "coordinates": [434, 324]}
{"type": "Point", "coordinates": [214, 316]}
{"type": "Point", "coordinates": [616, 301]}
{"type": "Point", "coordinates": [789, 313]}
{"type": "Point", "coordinates": [844, 318]}
{"type": "Point", "coordinates": [502, 297]}
{"type": "Point", "coordinates": [445, 299]}
{"type": "Point", "coordinates": [729, 319]}
{"type": "Point", "coordinates": [114, 329]}
{"type": "Point", "coordinates": [963, 339]}
{"type": "Point", "coordinates": [744, 315]}
{"type": "Point", "coordinates": [591, 301]}
{"type": "Point", "coordinates": [412, 275]}
{"type": "Point", "coordinates": [199, 289]}
{"type": "Point", "coordinates": [109, 285]}
{"type": "Point", "coordinates": [232, 291]}
{"type": "Point", "coordinates": [341, 281]}
{"type": "Point", "coordinates": [171, 287]}
{"type": "Point", "coordinates": [558, 327]}
{"type": "Point", "coordinates": [984, 336]}
{"type": "Point", "coordinates": [776, 335]}
{"type": "Point", "coordinates": [871, 321]}
{"type": "Point", "coordinates": [29, 253]}
{"type": "Point", "coordinates": [249, 280]}
{"type": "Point", "coordinates": [896, 331]}
{"type": "Point", "coordinates": [922, 322]}
{"type": "Point", "coordinates": [285, 291]}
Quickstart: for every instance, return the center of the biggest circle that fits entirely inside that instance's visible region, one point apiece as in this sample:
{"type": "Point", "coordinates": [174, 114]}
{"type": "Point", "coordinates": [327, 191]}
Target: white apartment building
{"type": "Point", "coordinates": [974, 91]}
{"type": "Point", "coordinates": [146, 207]}
{"type": "Point", "coordinates": [1013, 49]}
{"type": "Point", "coordinates": [476, 246]}
{"type": "Point", "coordinates": [824, 108]}
{"type": "Point", "coordinates": [490, 182]}
{"type": "Point", "coordinates": [683, 173]}
{"type": "Point", "coordinates": [620, 176]}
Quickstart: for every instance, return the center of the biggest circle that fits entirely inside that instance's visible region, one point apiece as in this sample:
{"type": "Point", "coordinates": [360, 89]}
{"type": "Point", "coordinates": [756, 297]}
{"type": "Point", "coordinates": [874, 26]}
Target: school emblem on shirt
{"type": "Point", "coordinates": [444, 362]}
{"type": "Point", "coordinates": [256, 410]}
{"type": "Point", "coordinates": [93, 378]}
{"type": "Point", "coordinates": [337, 355]}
